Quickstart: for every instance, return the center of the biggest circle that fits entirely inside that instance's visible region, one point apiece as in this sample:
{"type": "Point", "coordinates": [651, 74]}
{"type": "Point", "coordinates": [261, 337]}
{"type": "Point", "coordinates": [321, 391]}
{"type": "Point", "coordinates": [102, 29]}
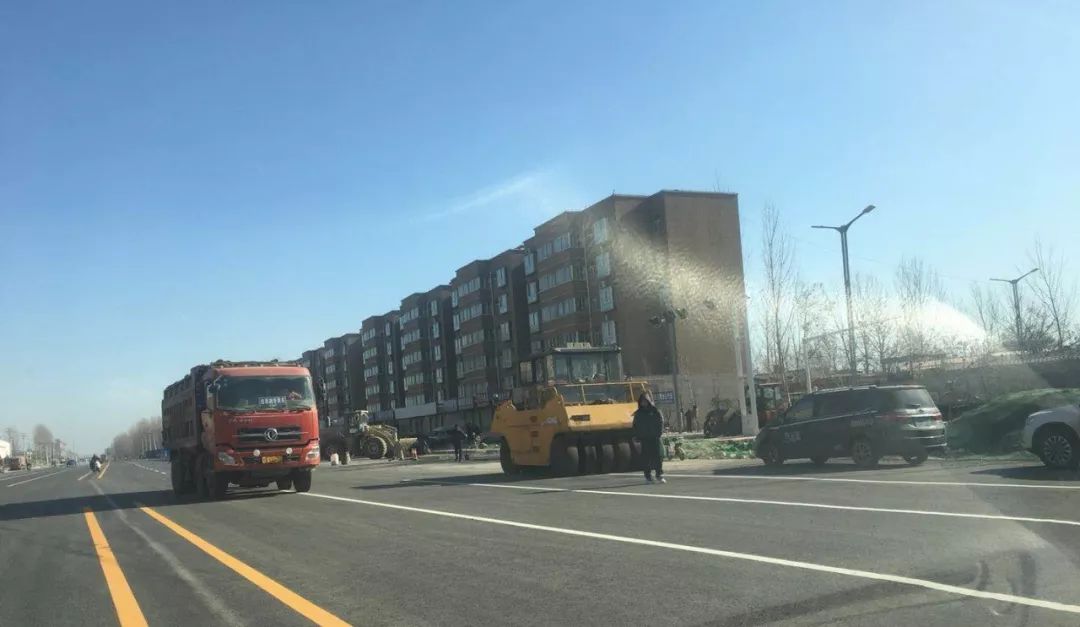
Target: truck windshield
{"type": "Point", "coordinates": [251, 393]}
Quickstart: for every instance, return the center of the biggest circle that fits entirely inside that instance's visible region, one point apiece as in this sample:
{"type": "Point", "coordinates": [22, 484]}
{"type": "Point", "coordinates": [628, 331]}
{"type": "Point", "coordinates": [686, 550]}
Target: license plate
{"type": "Point", "coordinates": [271, 459]}
{"type": "Point", "coordinates": [924, 423]}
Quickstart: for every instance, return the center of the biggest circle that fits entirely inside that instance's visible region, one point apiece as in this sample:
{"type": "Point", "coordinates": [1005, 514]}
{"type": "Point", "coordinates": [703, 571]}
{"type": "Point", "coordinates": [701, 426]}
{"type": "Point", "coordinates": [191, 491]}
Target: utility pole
{"type": "Point", "coordinates": [1016, 305]}
{"type": "Point", "coordinates": [843, 229]}
{"type": "Point", "coordinates": [668, 318]}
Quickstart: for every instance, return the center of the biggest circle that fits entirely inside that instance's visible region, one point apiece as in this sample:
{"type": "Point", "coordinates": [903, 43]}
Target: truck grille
{"type": "Point", "coordinates": [255, 435]}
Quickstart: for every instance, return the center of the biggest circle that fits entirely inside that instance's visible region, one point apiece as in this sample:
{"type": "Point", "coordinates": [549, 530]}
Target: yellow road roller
{"type": "Point", "coordinates": [577, 418]}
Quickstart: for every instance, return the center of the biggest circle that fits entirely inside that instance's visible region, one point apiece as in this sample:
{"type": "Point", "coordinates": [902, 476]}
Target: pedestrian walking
{"type": "Point", "coordinates": [457, 438]}
{"type": "Point", "coordinates": [648, 427]}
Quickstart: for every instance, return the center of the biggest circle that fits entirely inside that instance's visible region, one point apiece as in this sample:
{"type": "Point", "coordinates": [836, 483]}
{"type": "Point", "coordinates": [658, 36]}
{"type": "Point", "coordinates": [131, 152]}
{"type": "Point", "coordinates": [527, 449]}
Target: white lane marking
{"type": "Point", "coordinates": [724, 499]}
{"type": "Point", "coordinates": [160, 472]}
{"type": "Point", "coordinates": [749, 557]}
{"type": "Point", "coordinates": [222, 613]}
{"type": "Point", "coordinates": [85, 476]}
{"type": "Point", "coordinates": [51, 474]}
{"type": "Point", "coordinates": [877, 481]}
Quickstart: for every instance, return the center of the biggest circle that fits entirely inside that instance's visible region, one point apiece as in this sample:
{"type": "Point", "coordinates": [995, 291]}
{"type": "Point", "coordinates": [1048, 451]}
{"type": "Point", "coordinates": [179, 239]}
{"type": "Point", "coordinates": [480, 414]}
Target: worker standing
{"type": "Point", "coordinates": [457, 438]}
{"type": "Point", "coordinates": [648, 427]}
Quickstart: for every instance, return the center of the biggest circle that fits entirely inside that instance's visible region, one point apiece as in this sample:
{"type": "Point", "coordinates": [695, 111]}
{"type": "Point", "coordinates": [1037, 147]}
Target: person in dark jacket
{"type": "Point", "coordinates": [457, 438]}
{"type": "Point", "coordinates": [648, 426]}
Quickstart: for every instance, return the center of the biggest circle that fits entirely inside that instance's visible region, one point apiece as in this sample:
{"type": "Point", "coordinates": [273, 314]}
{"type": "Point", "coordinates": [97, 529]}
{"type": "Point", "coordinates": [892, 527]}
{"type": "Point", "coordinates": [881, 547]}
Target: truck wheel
{"type": "Point", "coordinates": [564, 457]}
{"type": "Point", "coordinates": [284, 484]}
{"type": "Point", "coordinates": [605, 453]}
{"type": "Point", "coordinates": [622, 456]}
{"type": "Point", "coordinates": [916, 459]}
{"type": "Point", "coordinates": [506, 459]}
{"type": "Point", "coordinates": [202, 488]}
{"type": "Point", "coordinates": [589, 456]}
{"type": "Point", "coordinates": [302, 481]}
{"type": "Point", "coordinates": [218, 485]}
{"type": "Point", "coordinates": [863, 453]}
{"type": "Point", "coordinates": [819, 460]}
{"type": "Point", "coordinates": [375, 447]}
{"type": "Point", "coordinates": [181, 484]}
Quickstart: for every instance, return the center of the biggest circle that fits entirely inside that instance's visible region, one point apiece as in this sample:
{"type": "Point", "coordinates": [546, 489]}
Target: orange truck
{"type": "Point", "coordinates": [247, 424]}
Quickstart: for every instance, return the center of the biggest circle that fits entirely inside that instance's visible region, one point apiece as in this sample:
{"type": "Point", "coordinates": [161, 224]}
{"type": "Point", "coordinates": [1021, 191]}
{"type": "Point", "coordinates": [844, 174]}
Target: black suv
{"type": "Point", "coordinates": [864, 423]}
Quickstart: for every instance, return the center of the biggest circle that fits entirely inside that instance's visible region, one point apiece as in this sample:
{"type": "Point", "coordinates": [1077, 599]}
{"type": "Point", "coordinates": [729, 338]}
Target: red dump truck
{"type": "Point", "coordinates": [243, 423]}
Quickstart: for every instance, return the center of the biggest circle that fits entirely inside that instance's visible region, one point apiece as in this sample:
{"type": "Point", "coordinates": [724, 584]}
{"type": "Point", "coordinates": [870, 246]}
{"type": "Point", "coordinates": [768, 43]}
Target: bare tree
{"type": "Point", "coordinates": [42, 435]}
{"type": "Point", "coordinates": [917, 285]}
{"type": "Point", "coordinates": [1054, 292]}
{"type": "Point", "coordinates": [12, 435]}
{"type": "Point", "coordinates": [872, 311]}
{"type": "Point", "coordinates": [778, 261]}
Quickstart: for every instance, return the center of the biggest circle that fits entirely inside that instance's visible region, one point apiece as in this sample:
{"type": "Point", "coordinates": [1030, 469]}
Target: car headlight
{"type": "Point", "coordinates": [225, 458]}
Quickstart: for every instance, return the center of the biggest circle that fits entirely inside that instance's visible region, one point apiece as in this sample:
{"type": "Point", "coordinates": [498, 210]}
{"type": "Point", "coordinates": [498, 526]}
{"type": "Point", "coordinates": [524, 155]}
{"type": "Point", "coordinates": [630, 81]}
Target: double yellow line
{"type": "Point", "coordinates": [127, 607]}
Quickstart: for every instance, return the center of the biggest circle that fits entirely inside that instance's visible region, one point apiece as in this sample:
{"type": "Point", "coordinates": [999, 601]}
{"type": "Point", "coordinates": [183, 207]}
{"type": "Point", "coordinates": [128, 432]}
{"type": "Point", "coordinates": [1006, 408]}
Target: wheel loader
{"type": "Point", "coordinates": [579, 420]}
{"type": "Point", "coordinates": [357, 437]}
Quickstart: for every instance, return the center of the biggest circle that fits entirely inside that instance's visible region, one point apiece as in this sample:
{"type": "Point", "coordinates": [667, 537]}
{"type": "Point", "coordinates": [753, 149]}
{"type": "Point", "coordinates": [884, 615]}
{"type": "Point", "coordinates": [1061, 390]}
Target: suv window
{"type": "Point", "coordinates": [801, 410]}
{"type": "Point", "coordinates": [843, 403]}
{"type": "Point", "coordinates": [905, 398]}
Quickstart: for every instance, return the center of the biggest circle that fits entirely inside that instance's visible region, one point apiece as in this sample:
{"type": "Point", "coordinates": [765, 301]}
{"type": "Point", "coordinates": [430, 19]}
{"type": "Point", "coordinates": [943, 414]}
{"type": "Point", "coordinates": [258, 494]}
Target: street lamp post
{"type": "Point", "coordinates": [843, 229]}
{"type": "Point", "coordinates": [668, 318]}
{"type": "Point", "coordinates": [1016, 304]}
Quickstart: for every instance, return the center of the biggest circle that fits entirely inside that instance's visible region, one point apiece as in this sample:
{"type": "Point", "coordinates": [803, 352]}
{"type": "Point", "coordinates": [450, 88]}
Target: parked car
{"type": "Point", "coordinates": [1054, 435]}
{"type": "Point", "coordinates": [864, 423]}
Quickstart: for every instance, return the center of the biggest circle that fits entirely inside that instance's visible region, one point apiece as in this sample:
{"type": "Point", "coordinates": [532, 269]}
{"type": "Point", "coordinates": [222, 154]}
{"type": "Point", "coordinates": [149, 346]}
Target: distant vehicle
{"type": "Point", "coordinates": [578, 420]}
{"type": "Point", "coordinates": [18, 462]}
{"type": "Point", "coordinates": [1054, 435]}
{"type": "Point", "coordinates": [864, 423]}
{"type": "Point", "coordinates": [439, 438]}
{"type": "Point", "coordinates": [72, 462]}
{"type": "Point", "coordinates": [244, 423]}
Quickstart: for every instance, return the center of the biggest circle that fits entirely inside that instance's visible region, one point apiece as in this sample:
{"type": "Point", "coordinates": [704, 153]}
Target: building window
{"type": "Point", "coordinates": [470, 312]}
{"type": "Point", "coordinates": [389, 367]}
{"type": "Point", "coordinates": [468, 287]}
{"type": "Point", "coordinates": [500, 277]}
{"type": "Point", "coordinates": [457, 322]}
{"type": "Point", "coordinates": [564, 274]}
{"type": "Point", "coordinates": [559, 309]}
{"type": "Point", "coordinates": [603, 264]}
{"type": "Point", "coordinates": [436, 353]}
{"type": "Point", "coordinates": [504, 331]}
{"type": "Point", "coordinates": [409, 316]}
{"type": "Point", "coordinates": [600, 231]}
{"type": "Point", "coordinates": [368, 336]}
{"type": "Point", "coordinates": [389, 348]}
{"type": "Point", "coordinates": [410, 337]}
{"type": "Point", "coordinates": [506, 359]}
{"type": "Point", "coordinates": [556, 245]}
{"type": "Point", "coordinates": [531, 291]}
{"type": "Point", "coordinates": [530, 263]}
{"type": "Point", "coordinates": [434, 307]}
{"type": "Point", "coordinates": [536, 346]}
{"type": "Point", "coordinates": [607, 300]}
{"type": "Point", "coordinates": [453, 298]}
{"type": "Point", "coordinates": [435, 330]}
{"type": "Point", "coordinates": [438, 375]}
{"type": "Point", "coordinates": [468, 339]}
{"type": "Point", "coordinates": [607, 333]}
{"type": "Point", "coordinates": [370, 353]}
{"type": "Point", "coordinates": [387, 328]}
{"type": "Point", "coordinates": [503, 303]}
{"type": "Point", "coordinates": [411, 358]}
{"type": "Point", "coordinates": [534, 321]}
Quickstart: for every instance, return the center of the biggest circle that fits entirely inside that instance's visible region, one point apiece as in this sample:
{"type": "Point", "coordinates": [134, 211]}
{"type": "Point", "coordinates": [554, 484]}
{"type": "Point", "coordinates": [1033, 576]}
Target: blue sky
{"type": "Point", "coordinates": [199, 180]}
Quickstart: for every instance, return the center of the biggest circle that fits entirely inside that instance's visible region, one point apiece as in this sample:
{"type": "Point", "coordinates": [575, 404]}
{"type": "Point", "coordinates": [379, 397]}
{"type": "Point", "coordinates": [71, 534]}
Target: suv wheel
{"type": "Point", "coordinates": [819, 460]}
{"type": "Point", "coordinates": [1058, 448]}
{"type": "Point", "coordinates": [916, 459]}
{"type": "Point", "coordinates": [863, 453]}
{"type": "Point", "coordinates": [770, 454]}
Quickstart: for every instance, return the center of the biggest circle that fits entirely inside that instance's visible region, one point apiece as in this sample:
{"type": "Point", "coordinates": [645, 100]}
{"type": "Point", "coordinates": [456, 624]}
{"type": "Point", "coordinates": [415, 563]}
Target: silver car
{"type": "Point", "coordinates": [1054, 435]}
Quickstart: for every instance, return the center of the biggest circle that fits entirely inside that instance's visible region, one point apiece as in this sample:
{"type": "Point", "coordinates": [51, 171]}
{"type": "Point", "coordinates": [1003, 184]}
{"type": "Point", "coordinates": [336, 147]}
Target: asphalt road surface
{"type": "Point", "coordinates": [380, 543]}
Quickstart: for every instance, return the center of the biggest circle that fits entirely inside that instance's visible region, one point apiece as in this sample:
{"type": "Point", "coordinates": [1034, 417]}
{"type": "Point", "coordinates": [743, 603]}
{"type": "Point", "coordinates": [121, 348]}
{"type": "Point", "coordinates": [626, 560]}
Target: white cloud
{"type": "Point", "coordinates": [526, 186]}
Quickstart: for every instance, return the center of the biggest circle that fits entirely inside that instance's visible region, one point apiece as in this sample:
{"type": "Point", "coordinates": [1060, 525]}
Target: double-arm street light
{"type": "Point", "coordinates": [1016, 304]}
{"type": "Point", "coordinates": [843, 229]}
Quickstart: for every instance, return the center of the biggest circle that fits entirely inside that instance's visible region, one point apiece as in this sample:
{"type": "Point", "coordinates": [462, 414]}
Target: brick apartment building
{"type": "Point", "coordinates": [600, 275]}
{"type": "Point", "coordinates": [378, 339]}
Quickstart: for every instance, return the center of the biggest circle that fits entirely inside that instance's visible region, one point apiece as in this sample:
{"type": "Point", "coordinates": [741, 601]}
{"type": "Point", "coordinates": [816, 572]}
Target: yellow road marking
{"type": "Point", "coordinates": [103, 469]}
{"type": "Point", "coordinates": [306, 608]}
{"type": "Point", "coordinates": [127, 608]}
